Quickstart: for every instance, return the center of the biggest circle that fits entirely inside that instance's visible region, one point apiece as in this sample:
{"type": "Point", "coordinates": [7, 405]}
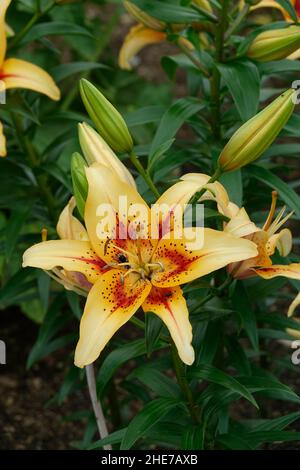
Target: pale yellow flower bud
{"type": "Point", "coordinates": [96, 150]}
{"type": "Point", "coordinates": [275, 44]}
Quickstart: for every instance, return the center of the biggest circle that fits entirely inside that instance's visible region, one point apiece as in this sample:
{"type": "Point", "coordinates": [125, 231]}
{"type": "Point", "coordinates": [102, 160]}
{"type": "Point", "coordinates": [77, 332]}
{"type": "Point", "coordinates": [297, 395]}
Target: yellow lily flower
{"type": "Point", "coordinates": [147, 32]}
{"type": "Point", "coordinates": [267, 240]}
{"type": "Point", "coordinates": [132, 272]}
{"type": "Point", "coordinates": [17, 73]}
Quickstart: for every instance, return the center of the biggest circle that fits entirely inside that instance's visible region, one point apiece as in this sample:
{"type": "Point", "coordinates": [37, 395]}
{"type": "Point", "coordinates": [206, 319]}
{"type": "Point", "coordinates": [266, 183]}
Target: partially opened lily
{"type": "Point", "coordinates": [17, 73]}
{"type": "Point", "coordinates": [267, 239]}
{"type": "Point", "coordinates": [132, 272]}
{"type": "Point", "coordinates": [70, 228]}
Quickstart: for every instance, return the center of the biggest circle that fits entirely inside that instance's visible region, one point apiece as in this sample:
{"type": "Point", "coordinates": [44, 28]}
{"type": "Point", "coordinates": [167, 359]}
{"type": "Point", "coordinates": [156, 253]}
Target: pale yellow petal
{"type": "Point", "coordinates": [192, 257]}
{"type": "Point", "coordinates": [114, 211]}
{"type": "Point", "coordinates": [68, 226]}
{"type": "Point", "coordinates": [17, 73]}
{"type": "Point", "coordinates": [283, 241]}
{"type": "Point", "coordinates": [96, 150]}
{"type": "Point", "coordinates": [291, 271]}
{"type": "Point", "coordinates": [4, 4]}
{"type": "Point", "coordinates": [137, 38]}
{"type": "Point", "coordinates": [240, 224]}
{"type": "Point", "coordinates": [295, 55]}
{"type": "Point", "coordinates": [3, 152]}
{"type": "Point", "coordinates": [74, 256]}
{"type": "Point", "coordinates": [110, 304]}
{"type": "Point", "coordinates": [295, 304]}
{"type": "Point", "coordinates": [170, 306]}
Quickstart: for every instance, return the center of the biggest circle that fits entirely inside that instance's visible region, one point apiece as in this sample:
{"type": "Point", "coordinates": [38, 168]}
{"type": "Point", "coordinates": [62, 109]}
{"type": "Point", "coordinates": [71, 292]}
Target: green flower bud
{"type": "Point", "coordinates": [142, 17]}
{"type": "Point", "coordinates": [79, 180]}
{"type": "Point", "coordinates": [275, 44]}
{"type": "Point", "coordinates": [108, 121]}
{"type": "Point", "coordinates": [252, 139]}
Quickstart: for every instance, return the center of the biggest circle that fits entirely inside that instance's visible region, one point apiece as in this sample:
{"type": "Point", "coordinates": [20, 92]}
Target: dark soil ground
{"type": "Point", "coordinates": [26, 421]}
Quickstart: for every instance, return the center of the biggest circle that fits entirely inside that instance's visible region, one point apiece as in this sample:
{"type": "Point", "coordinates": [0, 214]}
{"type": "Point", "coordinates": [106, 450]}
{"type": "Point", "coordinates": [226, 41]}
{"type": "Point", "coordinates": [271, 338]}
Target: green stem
{"type": "Point", "coordinates": [35, 18]}
{"type": "Point", "coordinates": [144, 173]}
{"type": "Point", "coordinates": [34, 163]}
{"type": "Point", "coordinates": [186, 51]}
{"type": "Point", "coordinates": [236, 23]}
{"type": "Point", "coordinates": [215, 82]}
{"type": "Point", "coordinates": [183, 384]}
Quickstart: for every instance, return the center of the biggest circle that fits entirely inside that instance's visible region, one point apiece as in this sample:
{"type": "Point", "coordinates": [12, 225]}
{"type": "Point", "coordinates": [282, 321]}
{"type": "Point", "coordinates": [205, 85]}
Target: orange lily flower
{"type": "Point", "coordinates": [128, 273]}
{"type": "Point", "coordinates": [17, 73]}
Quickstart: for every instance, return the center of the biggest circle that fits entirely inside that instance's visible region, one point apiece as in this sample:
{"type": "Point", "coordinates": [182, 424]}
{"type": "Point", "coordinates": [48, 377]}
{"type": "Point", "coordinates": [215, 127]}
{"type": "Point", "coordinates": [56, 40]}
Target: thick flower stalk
{"type": "Point", "coordinates": [17, 73]}
{"type": "Point", "coordinates": [137, 270]}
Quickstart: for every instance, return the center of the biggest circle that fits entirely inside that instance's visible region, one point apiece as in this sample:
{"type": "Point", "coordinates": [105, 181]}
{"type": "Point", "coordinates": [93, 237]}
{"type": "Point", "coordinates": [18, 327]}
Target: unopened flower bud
{"type": "Point", "coordinates": [252, 139]}
{"type": "Point", "coordinates": [108, 121]}
{"type": "Point", "coordinates": [142, 17]}
{"type": "Point", "coordinates": [96, 150]}
{"type": "Point", "coordinates": [275, 44]}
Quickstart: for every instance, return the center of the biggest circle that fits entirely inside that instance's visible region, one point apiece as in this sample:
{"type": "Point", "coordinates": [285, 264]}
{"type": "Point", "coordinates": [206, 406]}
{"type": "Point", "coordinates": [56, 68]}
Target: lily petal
{"type": "Point", "coordinates": [283, 241]}
{"type": "Point", "coordinates": [3, 152]}
{"type": "Point", "coordinates": [138, 37]}
{"type": "Point", "coordinates": [16, 73]}
{"type": "Point", "coordinates": [170, 306]}
{"type": "Point", "coordinates": [4, 4]}
{"type": "Point", "coordinates": [293, 307]}
{"type": "Point", "coordinates": [110, 304]}
{"type": "Point", "coordinates": [182, 264]}
{"type": "Point", "coordinates": [291, 271]}
{"type": "Point", "coordinates": [241, 225]}
{"type": "Point", "coordinates": [107, 193]}
{"type": "Point", "coordinates": [295, 55]}
{"type": "Point", "coordinates": [68, 227]}
{"type": "Point", "coordinates": [75, 256]}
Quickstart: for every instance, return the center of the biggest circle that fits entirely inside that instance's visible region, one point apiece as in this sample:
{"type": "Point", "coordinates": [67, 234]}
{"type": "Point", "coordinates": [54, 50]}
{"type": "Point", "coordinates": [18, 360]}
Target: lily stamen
{"type": "Point", "coordinates": [272, 210]}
